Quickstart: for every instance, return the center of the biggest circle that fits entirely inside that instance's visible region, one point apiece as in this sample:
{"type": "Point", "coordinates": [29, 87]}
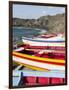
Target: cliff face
{"type": "Point", "coordinates": [54, 23]}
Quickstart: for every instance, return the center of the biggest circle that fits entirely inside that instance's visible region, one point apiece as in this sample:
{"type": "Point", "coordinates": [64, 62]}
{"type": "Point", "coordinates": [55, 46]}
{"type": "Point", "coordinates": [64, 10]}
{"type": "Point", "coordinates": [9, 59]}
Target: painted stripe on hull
{"type": "Point", "coordinates": [47, 62]}
{"type": "Point", "coordinates": [44, 40]}
{"type": "Point", "coordinates": [32, 67]}
{"type": "Point", "coordinates": [45, 47]}
{"type": "Point", "coordinates": [38, 58]}
{"type": "Point", "coordinates": [32, 43]}
{"type": "Point", "coordinates": [38, 64]}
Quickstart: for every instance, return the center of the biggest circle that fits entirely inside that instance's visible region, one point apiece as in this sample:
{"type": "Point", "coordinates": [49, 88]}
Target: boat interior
{"type": "Point", "coordinates": [43, 54]}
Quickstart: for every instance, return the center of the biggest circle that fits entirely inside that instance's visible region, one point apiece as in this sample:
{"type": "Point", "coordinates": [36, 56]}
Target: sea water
{"type": "Point", "coordinates": [19, 32]}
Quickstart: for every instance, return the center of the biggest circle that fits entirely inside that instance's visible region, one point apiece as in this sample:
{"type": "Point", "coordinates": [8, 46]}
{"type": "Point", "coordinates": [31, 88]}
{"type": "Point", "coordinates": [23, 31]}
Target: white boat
{"type": "Point", "coordinates": [38, 41]}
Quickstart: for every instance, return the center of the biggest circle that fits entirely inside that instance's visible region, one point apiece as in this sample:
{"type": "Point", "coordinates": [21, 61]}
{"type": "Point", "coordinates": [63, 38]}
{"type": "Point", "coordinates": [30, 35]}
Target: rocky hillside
{"type": "Point", "coordinates": [54, 23]}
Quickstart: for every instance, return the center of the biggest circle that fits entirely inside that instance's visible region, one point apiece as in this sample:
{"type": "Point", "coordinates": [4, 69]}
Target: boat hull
{"type": "Point", "coordinates": [39, 63]}
{"type": "Point", "coordinates": [32, 42]}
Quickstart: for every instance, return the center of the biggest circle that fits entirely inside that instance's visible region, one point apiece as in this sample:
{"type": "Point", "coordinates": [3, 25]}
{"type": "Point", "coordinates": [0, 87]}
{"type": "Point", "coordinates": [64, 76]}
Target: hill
{"type": "Point", "coordinates": [55, 23]}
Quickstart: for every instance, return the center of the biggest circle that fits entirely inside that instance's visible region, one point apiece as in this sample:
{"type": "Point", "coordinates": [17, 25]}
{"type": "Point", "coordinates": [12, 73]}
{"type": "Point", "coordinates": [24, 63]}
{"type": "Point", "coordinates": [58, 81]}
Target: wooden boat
{"type": "Point", "coordinates": [56, 41]}
{"type": "Point", "coordinates": [23, 77]}
{"type": "Point", "coordinates": [33, 42]}
{"type": "Point", "coordinates": [40, 61]}
{"type": "Point", "coordinates": [50, 37]}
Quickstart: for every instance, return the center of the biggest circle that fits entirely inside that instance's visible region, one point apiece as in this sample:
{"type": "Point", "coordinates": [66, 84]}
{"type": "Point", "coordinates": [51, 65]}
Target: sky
{"type": "Point", "coordinates": [34, 12]}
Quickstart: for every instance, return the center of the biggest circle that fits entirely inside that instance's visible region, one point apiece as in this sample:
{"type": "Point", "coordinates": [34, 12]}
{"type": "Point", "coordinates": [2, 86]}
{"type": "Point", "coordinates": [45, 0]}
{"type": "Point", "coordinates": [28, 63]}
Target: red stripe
{"type": "Point", "coordinates": [40, 60]}
{"type": "Point", "coordinates": [54, 52]}
{"type": "Point", "coordinates": [45, 47]}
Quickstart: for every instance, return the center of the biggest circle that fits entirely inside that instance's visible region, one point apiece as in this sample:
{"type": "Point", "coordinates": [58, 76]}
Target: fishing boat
{"type": "Point", "coordinates": [25, 77]}
{"type": "Point", "coordinates": [44, 53]}
{"type": "Point", "coordinates": [40, 60]}
{"type": "Point", "coordinates": [54, 41]}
